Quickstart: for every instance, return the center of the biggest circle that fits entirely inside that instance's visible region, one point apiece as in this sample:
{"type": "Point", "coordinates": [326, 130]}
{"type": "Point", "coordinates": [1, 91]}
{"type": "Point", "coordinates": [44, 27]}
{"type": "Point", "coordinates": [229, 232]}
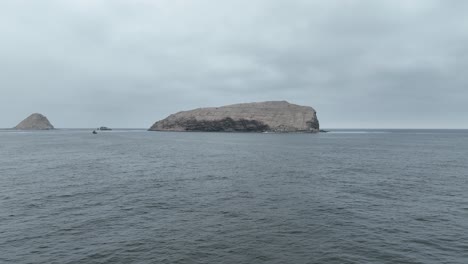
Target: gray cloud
{"type": "Point", "coordinates": [360, 63]}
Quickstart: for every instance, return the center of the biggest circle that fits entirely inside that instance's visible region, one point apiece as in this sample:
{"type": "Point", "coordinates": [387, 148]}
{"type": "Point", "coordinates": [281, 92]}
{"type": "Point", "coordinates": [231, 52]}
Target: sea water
{"type": "Point", "coordinates": [349, 196]}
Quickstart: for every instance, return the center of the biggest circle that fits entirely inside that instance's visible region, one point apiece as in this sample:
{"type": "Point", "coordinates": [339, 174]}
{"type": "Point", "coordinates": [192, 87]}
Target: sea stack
{"type": "Point", "coordinates": [35, 122]}
{"type": "Point", "coordinates": [272, 116]}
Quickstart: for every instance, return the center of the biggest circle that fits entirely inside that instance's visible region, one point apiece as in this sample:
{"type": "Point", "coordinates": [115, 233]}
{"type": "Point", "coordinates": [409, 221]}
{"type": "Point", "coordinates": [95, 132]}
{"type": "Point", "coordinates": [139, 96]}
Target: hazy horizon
{"type": "Point", "coordinates": [127, 64]}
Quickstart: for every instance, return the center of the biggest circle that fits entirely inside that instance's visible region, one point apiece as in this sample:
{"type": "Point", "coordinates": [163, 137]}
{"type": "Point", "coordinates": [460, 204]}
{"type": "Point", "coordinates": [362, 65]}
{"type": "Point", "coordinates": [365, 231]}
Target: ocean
{"type": "Point", "coordinates": [133, 196]}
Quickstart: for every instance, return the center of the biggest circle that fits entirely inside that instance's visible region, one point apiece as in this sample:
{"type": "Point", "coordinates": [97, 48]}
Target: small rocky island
{"type": "Point", "coordinates": [35, 122]}
{"type": "Point", "coordinates": [271, 116]}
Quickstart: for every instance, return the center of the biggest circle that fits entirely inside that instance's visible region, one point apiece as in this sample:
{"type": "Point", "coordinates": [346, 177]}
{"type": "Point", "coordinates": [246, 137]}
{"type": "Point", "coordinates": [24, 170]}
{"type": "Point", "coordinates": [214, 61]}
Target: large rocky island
{"type": "Point", "coordinates": [272, 116]}
{"type": "Point", "coordinates": [35, 122]}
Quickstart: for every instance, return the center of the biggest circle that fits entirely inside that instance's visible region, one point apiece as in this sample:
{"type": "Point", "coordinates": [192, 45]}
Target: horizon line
{"type": "Point", "coordinates": [325, 128]}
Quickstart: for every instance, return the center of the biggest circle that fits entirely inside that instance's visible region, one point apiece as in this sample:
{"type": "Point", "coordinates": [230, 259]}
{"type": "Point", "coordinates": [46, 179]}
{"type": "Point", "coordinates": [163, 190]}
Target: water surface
{"type": "Point", "coordinates": [350, 196]}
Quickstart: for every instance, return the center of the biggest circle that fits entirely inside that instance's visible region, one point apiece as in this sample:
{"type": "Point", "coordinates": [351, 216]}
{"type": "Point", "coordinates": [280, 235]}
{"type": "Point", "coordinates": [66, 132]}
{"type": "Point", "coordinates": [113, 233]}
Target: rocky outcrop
{"type": "Point", "coordinates": [273, 116]}
{"type": "Point", "coordinates": [35, 122]}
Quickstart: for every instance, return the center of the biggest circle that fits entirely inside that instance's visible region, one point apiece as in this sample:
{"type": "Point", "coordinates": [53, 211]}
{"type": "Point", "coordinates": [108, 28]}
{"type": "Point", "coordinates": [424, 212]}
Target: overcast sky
{"type": "Point", "coordinates": [375, 64]}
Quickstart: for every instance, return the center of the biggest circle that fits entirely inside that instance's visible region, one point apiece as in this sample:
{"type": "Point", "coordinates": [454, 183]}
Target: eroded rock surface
{"type": "Point", "coordinates": [272, 116]}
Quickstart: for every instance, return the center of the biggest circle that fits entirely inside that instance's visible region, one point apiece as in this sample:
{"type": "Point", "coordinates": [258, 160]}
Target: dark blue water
{"type": "Point", "coordinates": [148, 197]}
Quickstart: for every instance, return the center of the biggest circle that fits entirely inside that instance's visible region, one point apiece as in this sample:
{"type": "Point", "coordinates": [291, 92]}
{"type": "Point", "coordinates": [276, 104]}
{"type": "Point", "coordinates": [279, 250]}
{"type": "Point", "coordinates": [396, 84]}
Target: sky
{"type": "Point", "coordinates": [128, 64]}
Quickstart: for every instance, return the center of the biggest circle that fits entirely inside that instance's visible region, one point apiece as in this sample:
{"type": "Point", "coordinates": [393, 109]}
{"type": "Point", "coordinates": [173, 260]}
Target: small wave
{"type": "Point", "coordinates": [16, 132]}
{"type": "Point", "coordinates": [359, 132]}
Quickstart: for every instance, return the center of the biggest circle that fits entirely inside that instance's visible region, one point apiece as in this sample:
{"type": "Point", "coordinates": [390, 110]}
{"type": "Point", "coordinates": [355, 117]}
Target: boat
{"type": "Point", "coordinates": [94, 132]}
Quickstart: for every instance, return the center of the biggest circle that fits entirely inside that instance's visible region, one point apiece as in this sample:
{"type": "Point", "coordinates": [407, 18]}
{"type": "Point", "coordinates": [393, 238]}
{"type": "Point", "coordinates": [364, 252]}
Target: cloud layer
{"type": "Point", "coordinates": [360, 63]}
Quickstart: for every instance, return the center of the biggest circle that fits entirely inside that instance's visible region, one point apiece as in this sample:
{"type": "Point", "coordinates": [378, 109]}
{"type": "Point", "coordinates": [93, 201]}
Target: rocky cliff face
{"type": "Point", "coordinates": [35, 122]}
{"type": "Point", "coordinates": [274, 116]}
